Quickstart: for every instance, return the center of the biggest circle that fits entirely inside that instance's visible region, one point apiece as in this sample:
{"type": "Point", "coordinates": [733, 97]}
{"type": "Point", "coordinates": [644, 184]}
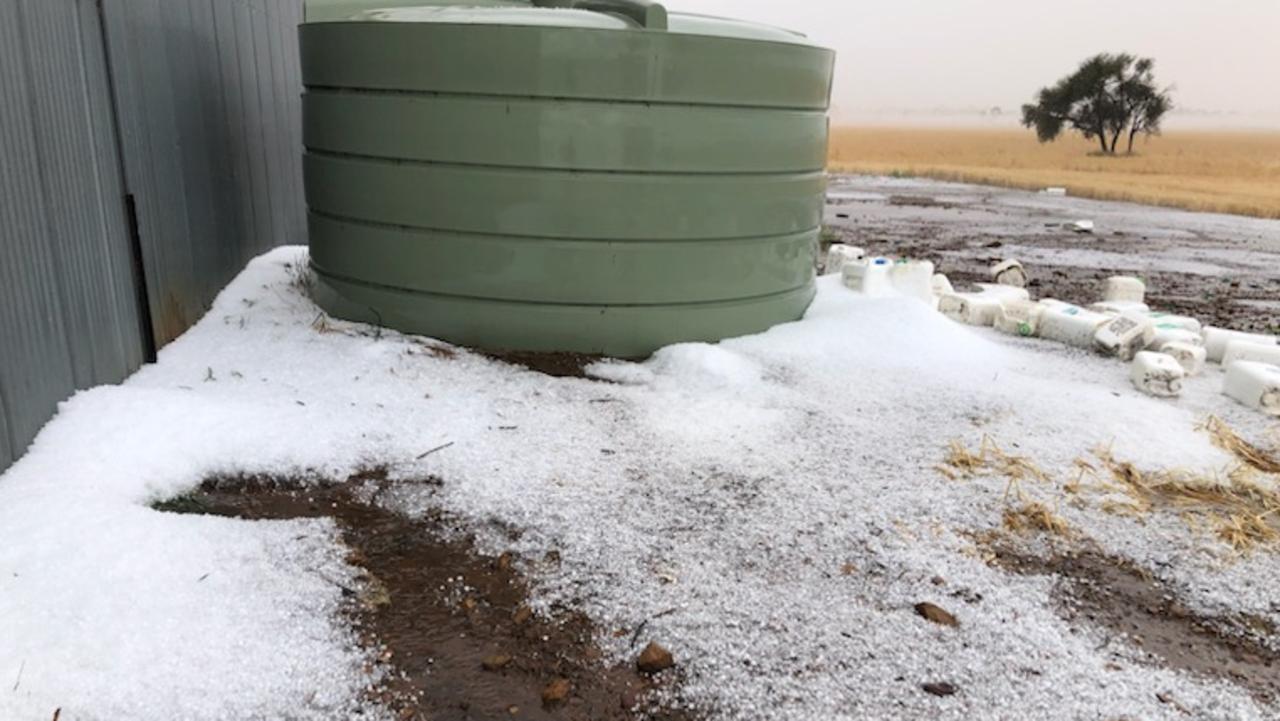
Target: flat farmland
{"type": "Point", "coordinates": [1219, 171]}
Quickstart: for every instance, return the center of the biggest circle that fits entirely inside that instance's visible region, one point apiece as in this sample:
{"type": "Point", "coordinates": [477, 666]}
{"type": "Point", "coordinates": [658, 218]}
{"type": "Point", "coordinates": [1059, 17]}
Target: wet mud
{"type": "Point", "coordinates": [450, 627]}
{"type": "Point", "coordinates": [1139, 614]}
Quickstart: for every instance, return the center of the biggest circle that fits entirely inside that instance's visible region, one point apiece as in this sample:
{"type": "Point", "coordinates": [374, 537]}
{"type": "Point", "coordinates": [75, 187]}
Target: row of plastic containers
{"type": "Point", "coordinates": [1163, 348]}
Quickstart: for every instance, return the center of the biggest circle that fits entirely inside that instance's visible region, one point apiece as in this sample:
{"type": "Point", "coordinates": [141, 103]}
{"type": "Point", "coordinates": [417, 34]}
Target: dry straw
{"type": "Point", "coordinates": [1240, 504]}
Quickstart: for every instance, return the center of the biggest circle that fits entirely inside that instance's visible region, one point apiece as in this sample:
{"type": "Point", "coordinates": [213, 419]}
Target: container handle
{"type": "Point", "coordinates": [647, 13]}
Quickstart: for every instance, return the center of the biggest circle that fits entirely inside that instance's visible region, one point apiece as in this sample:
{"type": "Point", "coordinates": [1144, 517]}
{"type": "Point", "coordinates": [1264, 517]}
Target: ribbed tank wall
{"type": "Point", "coordinates": [562, 189]}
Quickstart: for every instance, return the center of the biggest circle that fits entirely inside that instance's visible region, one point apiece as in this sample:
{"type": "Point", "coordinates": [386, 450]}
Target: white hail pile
{"type": "Point", "coordinates": [770, 505]}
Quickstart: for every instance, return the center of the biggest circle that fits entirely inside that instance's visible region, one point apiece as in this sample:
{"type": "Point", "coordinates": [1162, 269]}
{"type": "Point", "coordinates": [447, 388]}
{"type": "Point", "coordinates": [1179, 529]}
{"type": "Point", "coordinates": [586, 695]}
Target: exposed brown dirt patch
{"type": "Point", "coordinates": [452, 626]}
{"type": "Point", "coordinates": [1136, 609]}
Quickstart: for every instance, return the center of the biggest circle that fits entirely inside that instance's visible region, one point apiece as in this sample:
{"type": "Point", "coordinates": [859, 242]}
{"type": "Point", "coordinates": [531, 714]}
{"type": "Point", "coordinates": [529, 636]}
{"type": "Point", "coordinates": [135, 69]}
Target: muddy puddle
{"type": "Point", "coordinates": [1136, 611]}
{"type": "Point", "coordinates": [450, 625]}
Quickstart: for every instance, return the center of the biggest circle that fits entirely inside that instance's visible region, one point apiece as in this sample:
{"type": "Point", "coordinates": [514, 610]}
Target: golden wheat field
{"type": "Point", "coordinates": [1221, 171]}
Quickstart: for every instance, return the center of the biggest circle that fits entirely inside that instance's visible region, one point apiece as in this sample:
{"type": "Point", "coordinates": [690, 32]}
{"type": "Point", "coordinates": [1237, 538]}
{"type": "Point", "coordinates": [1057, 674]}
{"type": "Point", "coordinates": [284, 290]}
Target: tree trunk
{"type": "Point", "coordinates": [1115, 138]}
{"type": "Point", "coordinates": [1132, 132]}
{"type": "Point", "coordinates": [1102, 141]}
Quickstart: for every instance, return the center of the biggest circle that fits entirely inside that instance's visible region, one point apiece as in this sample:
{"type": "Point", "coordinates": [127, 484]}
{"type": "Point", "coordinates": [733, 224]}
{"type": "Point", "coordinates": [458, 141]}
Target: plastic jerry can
{"type": "Point", "coordinates": [1190, 356]}
{"type": "Point", "coordinates": [1216, 340]}
{"type": "Point", "coordinates": [1009, 272]}
{"type": "Point", "coordinates": [1019, 317]}
{"type": "Point", "coordinates": [869, 276]}
{"type": "Point", "coordinates": [982, 307]}
{"type": "Point", "coordinates": [1071, 325]}
{"type": "Point", "coordinates": [1245, 350]}
{"type": "Point", "coordinates": [1254, 384]}
{"type": "Point", "coordinates": [1124, 288]}
{"type": "Point", "coordinates": [1182, 321]}
{"type": "Point", "coordinates": [1125, 335]}
{"type": "Point", "coordinates": [1116, 307]}
{"type": "Point", "coordinates": [941, 285]}
{"type": "Point", "coordinates": [839, 255]}
{"type": "Point", "coordinates": [913, 278]}
{"type": "Point", "coordinates": [1167, 333]}
{"type": "Point", "coordinates": [1156, 374]}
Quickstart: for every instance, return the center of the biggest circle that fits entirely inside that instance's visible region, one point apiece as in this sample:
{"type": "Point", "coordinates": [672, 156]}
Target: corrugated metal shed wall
{"type": "Point", "coordinates": [209, 102]}
{"type": "Point", "coordinates": [69, 314]}
{"type": "Point", "coordinates": [206, 96]}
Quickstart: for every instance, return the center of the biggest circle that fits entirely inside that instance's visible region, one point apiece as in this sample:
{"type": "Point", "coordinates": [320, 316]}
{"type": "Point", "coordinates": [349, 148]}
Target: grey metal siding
{"type": "Point", "coordinates": [68, 306]}
{"type": "Point", "coordinates": [208, 102]}
{"type": "Point", "coordinates": [192, 107]}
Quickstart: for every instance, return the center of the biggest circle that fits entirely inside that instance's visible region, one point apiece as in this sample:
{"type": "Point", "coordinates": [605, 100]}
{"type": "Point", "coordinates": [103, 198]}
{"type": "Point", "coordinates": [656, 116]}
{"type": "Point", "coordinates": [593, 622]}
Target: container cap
{"type": "Point", "coordinates": [621, 15]}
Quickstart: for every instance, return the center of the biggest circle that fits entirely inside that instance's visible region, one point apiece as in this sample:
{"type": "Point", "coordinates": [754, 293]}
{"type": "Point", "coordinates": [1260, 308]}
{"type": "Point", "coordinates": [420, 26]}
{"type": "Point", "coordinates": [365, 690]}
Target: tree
{"type": "Point", "coordinates": [1107, 95]}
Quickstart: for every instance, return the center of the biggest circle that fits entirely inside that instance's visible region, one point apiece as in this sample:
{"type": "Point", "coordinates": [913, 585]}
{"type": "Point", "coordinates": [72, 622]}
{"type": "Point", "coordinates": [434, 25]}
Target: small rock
{"type": "Point", "coordinates": [939, 688]}
{"type": "Point", "coordinates": [496, 662]}
{"type": "Point", "coordinates": [654, 659]}
{"type": "Point", "coordinates": [504, 561]}
{"type": "Point", "coordinates": [556, 692]}
{"type": "Point", "coordinates": [630, 698]}
{"type": "Point", "coordinates": [936, 614]}
{"type": "Point", "coordinates": [522, 615]}
{"type": "Point", "coordinates": [938, 581]}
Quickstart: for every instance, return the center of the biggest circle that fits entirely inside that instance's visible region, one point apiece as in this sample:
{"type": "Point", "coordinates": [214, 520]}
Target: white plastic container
{"type": "Point", "coordinates": [1009, 272]}
{"type": "Point", "coordinates": [1167, 333]}
{"type": "Point", "coordinates": [1082, 226]}
{"type": "Point", "coordinates": [1003, 292]}
{"type": "Point", "coordinates": [1059, 192]}
{"type": "Point", "coordinates": [1019, 317]}
{"type": "Point", "coordinates": [1182, 321]}
{"type": "Point", "coordinates": [980, 308]}
{"type": "Point", "coordinates": [839, 255]}
{"type": "Point", "coordinates": [941, 285]}
{"type": "Point", "coordinates": [1071, 325]}
{"type": "Point", "coordinates": [1254, 384]}
{"type": "Point", "coordinates": [969, 308]}
{"type": "Point", "coordinates": [1157, 374]}
{"type": "Point", "coordinates": [869, 276]}
{"type": "Point", "coordinates": [1124, 335]}
{"type": "Point", "coordinates": [1116, 307]}
{"type": "Point", "coordinates": [1124, 288]}
{"type": "Point", "coordinates": [913, 278]}
{"type": "Point", "coordinates": [1190, 357]}
{"type": "Point", "coordinates": [1243, 350]}
{"type": "Point", "coordinates": [1216, 340]}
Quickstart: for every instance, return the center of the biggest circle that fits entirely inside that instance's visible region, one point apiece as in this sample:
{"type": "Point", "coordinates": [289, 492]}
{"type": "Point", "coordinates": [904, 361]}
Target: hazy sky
{"type": "Point", "coordinates": [1222, 55]}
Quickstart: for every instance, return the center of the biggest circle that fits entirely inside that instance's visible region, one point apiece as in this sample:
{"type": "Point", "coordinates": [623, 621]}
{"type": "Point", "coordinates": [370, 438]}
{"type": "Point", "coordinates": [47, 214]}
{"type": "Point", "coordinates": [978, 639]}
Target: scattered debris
{"type": "Point", "coordinates": [1081, 226]}
{"type": "Point", "coordinates": [936, 614]}
{"type": "Point", "coordinates": [940, 688]}
{"type": "Point", "coordinates": [437, 449]}
{"type": "Point", "coordinates": [1055, 191]}
{"type": "Point", "coordinates": [1228, 440]}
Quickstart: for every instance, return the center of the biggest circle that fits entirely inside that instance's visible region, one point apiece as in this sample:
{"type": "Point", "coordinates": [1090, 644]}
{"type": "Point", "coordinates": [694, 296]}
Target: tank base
{"type": "Point", "coordinates": [619, 331]}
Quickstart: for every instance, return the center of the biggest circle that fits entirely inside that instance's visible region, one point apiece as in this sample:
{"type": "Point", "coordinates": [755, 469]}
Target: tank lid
{"type": "Point", "coordinates": [586, 14]}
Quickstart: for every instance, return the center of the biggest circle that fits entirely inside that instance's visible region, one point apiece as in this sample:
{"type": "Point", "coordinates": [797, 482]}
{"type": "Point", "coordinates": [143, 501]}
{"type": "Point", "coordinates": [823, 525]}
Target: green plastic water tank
{"type": "Point", "coordinates": [599, 176]}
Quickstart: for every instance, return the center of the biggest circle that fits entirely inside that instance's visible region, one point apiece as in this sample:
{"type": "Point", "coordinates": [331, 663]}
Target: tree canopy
{"type": "Point", "coordinates": [1107, 96]}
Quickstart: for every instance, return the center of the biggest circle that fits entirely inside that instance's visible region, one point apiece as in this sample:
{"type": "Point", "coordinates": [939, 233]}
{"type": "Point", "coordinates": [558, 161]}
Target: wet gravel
{"type": "Point", "coordinates": [1222, 269]}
